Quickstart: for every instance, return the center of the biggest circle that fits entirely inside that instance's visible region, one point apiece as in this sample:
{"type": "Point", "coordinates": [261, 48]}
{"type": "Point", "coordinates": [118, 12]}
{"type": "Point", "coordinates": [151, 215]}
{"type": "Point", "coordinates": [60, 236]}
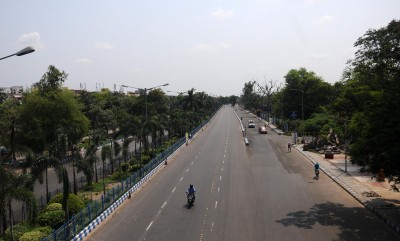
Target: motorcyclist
{"type": "Point", "coordinates": [191, 190]}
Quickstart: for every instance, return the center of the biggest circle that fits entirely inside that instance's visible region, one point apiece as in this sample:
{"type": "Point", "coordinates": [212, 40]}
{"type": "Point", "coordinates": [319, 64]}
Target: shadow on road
{"type": "Point", "coordinates": [355, 223]}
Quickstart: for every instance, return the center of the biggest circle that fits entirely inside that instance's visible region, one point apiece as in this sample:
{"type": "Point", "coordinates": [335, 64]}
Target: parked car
{"type": "Point", "coordinates": [262, 130]}
{"type": "Point", "coordinates": [251, 124]}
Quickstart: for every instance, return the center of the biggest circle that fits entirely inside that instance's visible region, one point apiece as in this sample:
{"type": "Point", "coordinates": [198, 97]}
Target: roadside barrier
{"type": "Point", "coordinates": [80, 225]}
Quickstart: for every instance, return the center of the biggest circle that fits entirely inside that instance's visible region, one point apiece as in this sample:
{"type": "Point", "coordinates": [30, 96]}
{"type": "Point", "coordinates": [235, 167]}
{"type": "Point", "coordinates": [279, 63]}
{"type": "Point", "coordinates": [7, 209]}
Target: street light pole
{"type": "Point", "coordinates": [24, 51]}
{"type": "Point", "coordinates": [145, 94]}
{"type": "Point", "coordinates": [302, 102]}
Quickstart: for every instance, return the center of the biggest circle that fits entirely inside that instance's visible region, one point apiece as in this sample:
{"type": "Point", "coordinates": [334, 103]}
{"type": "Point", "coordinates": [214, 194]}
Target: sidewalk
{"type": "Point", "coordinates": [384, 202]}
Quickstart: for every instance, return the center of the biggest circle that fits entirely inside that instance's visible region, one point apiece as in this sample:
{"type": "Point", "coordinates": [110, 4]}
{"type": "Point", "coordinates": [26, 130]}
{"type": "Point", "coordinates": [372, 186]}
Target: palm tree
{"type": "Point", "coordinates": [115, 155]}
{"type": "Point", "coordinates": [189, 102]}
{"type": "Point", "coordinates": [39, 165]}
{"type": "Point", "coordinates": [105, 153]}
{"type": "Point", "coordinates": [85, 163]}
{"type": "Point", "coordinates": [18, 187]}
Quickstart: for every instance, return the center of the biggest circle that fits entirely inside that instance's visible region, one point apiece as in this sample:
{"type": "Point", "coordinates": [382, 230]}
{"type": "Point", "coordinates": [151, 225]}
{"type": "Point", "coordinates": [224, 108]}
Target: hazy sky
{"type": "Point", "coordinates": [210, 45]}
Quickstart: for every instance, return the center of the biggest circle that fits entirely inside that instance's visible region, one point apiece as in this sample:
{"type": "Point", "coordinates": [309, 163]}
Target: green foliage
{"type": "Point", "coordinates": [75, 203]}
{"type": "Point", "coordinates": [54, 218]}
{"type": "Point", "coordinates": [21, 229]}
{"type": "Point", "coordinates": [373, 77]}
{"type": "Point", "coordinates": [54, 207]}
{"type": "Point", "coordinates": [248, 98]}
{"type": "Point", "coordinates": [32, 236]}
{"type": "Point", "coordinates": [320, 124]}
{"type": "Point", "coordinates": [306, 92]}
{"type": "Point", "coordinates": [120, 175]}
{"type": "Point", "coordinates": [18, 231]}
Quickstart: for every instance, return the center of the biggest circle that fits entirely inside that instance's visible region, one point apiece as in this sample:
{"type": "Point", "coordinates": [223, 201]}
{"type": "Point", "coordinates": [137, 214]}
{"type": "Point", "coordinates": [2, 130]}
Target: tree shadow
{"type": "Point", "coordinates": [355, 223]}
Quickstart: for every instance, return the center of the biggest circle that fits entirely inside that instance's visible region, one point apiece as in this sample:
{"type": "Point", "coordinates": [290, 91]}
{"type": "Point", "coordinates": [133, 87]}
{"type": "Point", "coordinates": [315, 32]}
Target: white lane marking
{"type": "Point", "coordinates": [222, 169]}
{"type": "Point", "coordinates": [148, 227]}
{"type": "Point", "coordinates": [279, 149]}
{"type": "Point", "coordinates": [218, 189]}
{"type": "Point", "coordinates": [181, 179]}
{"type": "Point", "coordinates": [212, 226]}
{"type": "Point", "coordinates": [223, 161]}
{"type": "Point", "coordinates": [174, 189]}
{"type": "Point", "coordinates": [225, 150]}
{"type": "Point", "coordinates": [216, 204]}
{"type": "Point", "coordinates": [220, 178]}
{"type": "Point", "coordinates": [165, 203]}
{"type": "Point", "coordinates": [224, 156]}
{"type": "Point", "coordinates": [192, 163]}
{"type": "Point", "coordinates": [187, 170]}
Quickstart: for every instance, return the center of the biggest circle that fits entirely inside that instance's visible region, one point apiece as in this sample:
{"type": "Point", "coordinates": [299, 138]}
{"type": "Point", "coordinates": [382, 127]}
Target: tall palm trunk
{"type": "Point", "coordinates": [74, 177]}
{"type": "Point", "coordinates": [95, 170]}
{"type": "Point", "coordinates": [47, 187]}
{"type": "Point", "coordinates": [11, 219]}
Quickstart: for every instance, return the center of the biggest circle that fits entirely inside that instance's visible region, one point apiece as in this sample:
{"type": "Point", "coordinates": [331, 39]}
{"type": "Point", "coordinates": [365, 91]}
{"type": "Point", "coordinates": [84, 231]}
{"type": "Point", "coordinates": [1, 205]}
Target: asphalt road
{"type": "Point", "coordinates": [259, 192]}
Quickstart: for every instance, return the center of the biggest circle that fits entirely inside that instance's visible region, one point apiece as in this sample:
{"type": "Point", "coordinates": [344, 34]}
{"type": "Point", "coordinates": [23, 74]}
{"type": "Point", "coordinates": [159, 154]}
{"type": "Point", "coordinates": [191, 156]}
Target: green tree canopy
{"type": "Point", "coordinates": [373, 78]}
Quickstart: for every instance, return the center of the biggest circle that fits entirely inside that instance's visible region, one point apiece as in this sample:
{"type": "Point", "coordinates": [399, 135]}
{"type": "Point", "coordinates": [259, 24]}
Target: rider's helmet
{"type": "Point", "coordinates": [191, 186]}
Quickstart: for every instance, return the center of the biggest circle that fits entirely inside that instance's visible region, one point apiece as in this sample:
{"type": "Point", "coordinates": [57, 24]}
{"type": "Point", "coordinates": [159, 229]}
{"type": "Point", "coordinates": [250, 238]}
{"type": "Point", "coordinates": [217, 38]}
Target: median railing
{"type": "Point", "coordinates": [87, 219]}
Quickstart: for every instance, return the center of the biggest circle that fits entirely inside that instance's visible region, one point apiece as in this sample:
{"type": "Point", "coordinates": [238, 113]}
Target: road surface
{"type": "Point", "coordinates": [258, 192]}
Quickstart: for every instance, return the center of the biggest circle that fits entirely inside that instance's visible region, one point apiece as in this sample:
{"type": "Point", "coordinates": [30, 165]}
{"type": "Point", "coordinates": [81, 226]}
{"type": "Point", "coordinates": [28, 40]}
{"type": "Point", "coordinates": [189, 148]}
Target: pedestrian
{"type": "Point", "coordinates": [316, 170]}
{"type": "Point", "coordinates": [289, 147]}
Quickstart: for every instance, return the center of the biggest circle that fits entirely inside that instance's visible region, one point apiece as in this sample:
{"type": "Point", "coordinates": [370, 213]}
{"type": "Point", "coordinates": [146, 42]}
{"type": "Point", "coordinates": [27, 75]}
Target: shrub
{"type": "Point", "coordinates": [54, 207]}
{"type": "Point", "coordinates": [75, 203]}
{"type": "Point", "coordinates": [18, 231]}
{"type": "Point", "coordinates": [21, 229]}
{"type": "Point", "coordinates": [54, 218]}
{"type": "Point", "coordinates": [33, 236]}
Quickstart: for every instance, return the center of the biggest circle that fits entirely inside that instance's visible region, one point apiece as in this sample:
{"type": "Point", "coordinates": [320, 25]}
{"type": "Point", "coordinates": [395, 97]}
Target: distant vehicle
{"type": "Point", "coordinates": [262, 130]}
{"type": "Point", "coordinates": [251, 124]}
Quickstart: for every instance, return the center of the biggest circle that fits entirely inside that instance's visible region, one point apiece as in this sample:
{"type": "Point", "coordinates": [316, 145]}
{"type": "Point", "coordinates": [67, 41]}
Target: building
{"type": "Point", "coordinates": [12, 92]}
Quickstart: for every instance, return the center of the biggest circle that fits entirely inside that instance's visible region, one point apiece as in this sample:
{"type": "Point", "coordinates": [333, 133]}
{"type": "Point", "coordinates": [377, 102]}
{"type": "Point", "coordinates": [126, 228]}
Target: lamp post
{"type": "Point", "coordinates": [176, 92]}
{"type": "Point", "coordinates": [302, 102]}
{"type": "Point", "coordinates": [145, 92]}
{"type": "Point", "coordinates": [145, 96]}
{"type": "Point", "coordinates": [24, 51]}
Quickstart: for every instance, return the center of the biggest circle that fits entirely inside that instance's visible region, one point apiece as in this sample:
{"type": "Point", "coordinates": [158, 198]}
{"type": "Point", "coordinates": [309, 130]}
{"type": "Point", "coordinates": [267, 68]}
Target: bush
{"type": "Point", "coordinates": [54, 207]}
{"type": "Point", "coordinates": [35, 235]}
{"type": "Point", "coordinates": [75, 203]}
{"type": "Point", "coordinates": [18, 231]}
{"type": "Point", "coordinates": [54, 218]}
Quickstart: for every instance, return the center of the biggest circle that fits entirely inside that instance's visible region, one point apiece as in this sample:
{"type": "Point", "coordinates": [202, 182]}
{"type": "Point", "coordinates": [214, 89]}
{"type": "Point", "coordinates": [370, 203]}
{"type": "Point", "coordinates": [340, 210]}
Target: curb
{"type": "Point", "coordinates": [357, 196]}
{"type": "Point", "coordinates": [89, 228]}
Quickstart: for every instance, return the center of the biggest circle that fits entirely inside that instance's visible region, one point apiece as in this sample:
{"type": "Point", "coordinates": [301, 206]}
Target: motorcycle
{"type": "Point", "coordinates": [317, 173]}
{"type": "Point", "coordinates": [190, 200]}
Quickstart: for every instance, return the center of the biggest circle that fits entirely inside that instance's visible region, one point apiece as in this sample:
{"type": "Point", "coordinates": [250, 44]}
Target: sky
{"type": "Point", "coordinates": [215, 46]}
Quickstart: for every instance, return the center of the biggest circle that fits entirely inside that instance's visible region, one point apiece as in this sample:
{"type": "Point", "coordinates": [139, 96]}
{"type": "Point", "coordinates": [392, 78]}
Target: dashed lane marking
{"type": "Point", "coordinates": [148, 227]}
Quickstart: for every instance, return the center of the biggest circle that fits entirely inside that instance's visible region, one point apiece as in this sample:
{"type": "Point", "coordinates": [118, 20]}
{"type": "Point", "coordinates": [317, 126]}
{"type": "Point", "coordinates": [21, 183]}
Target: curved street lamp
{"type": "Point", "coordinates": [145, 92]}
{"type": "Point", "coordinates": [24, 51]}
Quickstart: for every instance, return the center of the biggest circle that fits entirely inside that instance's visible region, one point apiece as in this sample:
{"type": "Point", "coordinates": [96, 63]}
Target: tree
{"type": "Point", "coordinates": [86, 162]}
{"type": "Point", "coordinates": [105, 153]}
{"type": "Point", "coordinates": [304, 87]}
{"type": "Point", "coordinates": [18, 187]}
{"type": "Point", "coordinates": [9, 124]}
{"type": "Point", "coordinates": [248, 97]}
{"type": "Point", "coordinates": [373, 76]}
{"type": "Point", "coordinates": [51, 122]}
{"type": "Point", "coordinates": [65, 191]}
{"type": "Point", "coordinates": [51, 80]}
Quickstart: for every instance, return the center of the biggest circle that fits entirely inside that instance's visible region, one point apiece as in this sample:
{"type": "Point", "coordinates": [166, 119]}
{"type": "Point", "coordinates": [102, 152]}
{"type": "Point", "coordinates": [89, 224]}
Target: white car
{"type": "Point", "coordinates": [251, 124]}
